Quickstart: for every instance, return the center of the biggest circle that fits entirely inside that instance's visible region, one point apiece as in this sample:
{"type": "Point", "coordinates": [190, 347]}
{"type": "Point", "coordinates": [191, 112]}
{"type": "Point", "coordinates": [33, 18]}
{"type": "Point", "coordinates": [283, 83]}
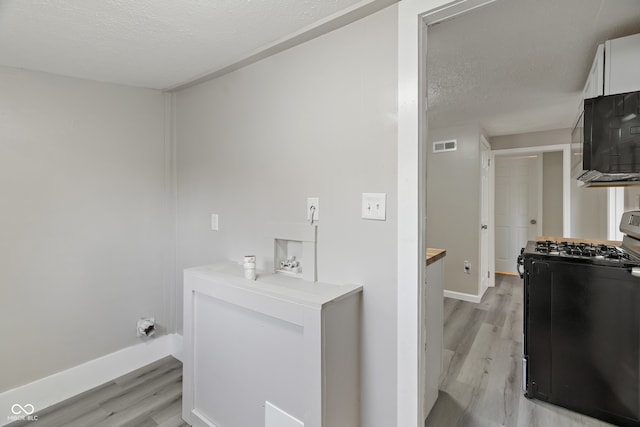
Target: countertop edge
{"type": "Point", "coordinates": [434, 255]}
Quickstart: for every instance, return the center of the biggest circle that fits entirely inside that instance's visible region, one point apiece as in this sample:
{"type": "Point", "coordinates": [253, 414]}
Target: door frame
{"type": "Point", "coordinates": [413, 18]}
{"type": "Point", "coordinates": [566, 179]}
{"type": "Point", "coordinates": [491, 264]}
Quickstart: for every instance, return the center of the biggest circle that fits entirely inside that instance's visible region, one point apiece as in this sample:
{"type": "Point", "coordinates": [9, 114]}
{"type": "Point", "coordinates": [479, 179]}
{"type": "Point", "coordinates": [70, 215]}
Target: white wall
{"type": "Point", "coordinates": [453, 204]}
{"type": "Point", "coordinates": [84, 221]}
{"type": "Point", "coordinates": [552, 193]}
{"type": "Point", "coordinates": [531, 139]}
{"type": "Point", "coordinates": [632, 198]}
{"type": "Point", "coordinates": [314, 120]}
{"type": "Point", "coordinates": [588, 212]}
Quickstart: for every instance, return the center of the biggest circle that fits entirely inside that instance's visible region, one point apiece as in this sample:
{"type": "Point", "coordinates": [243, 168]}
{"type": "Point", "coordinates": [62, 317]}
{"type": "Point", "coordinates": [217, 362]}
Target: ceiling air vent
{"type": "Point", "coordinates": [442, 146]}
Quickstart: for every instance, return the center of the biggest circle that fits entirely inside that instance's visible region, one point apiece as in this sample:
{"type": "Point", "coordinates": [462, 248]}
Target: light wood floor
{"type": "Point", "coordinates": [148, 397]}
{"type": "Point", "coordinates": [481, 382]}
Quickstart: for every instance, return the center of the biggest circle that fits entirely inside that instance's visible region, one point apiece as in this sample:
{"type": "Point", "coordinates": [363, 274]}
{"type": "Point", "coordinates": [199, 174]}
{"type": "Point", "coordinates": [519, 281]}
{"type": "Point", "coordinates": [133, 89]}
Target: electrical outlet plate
{"type": "Point", "coordinates": [214, 222]}
{"type": "Point", "coordinates": [374, 206]}
{"type": "Point", "coordinates": [313, 202]}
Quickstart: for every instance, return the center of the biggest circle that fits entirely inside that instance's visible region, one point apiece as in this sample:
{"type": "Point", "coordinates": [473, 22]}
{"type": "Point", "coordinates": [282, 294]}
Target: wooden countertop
{"type": "Point", "coordinates": [434, 255]}
{"type": "Point", "coordinates": [591, 241]}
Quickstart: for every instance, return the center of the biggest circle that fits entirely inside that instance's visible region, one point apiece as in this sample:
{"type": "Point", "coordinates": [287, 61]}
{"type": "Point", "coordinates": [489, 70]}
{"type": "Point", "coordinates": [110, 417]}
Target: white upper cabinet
{"type": "Point", "coordinates": [622, 62]}
{"type": "Point", "coordinates": [615, 68]}
{"type": "Point", "coordinates": [595, 80]}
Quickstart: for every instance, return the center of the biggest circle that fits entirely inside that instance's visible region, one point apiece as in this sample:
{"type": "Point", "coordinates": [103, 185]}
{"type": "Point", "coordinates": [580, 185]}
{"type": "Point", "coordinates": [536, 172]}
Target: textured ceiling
{"type": "Point", "coordinates": [148, 43]}
{"type": "Point", "coordinates": [518, 66]}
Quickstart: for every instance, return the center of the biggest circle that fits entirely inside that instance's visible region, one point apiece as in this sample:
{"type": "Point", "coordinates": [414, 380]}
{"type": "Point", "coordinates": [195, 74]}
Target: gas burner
{"type": "Point", "coordinates": [572, 250]}
{"type": "Point", "coordinates": [581, 250]}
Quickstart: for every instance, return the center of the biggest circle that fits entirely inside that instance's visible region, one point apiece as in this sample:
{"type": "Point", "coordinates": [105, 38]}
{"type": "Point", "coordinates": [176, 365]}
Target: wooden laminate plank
{"type": "Point", "coordinates": [461, 327]}
{"type": "Point", "coordinates": [504, 386]}
{"type": "Point", "coordinates": [450, 305]}
{"type": "Point", "coordinates": [513, 325]}
{"type": "Point", "coordinates": [91, 418]}
{"type": "Point", "coordinates": [174, 421]}
{"type": "Point", "coordinates": [151, 371]}
{"type": "Point", "coordinates": [499, 308]}
{"type": "Point", "coordinates": [452, 370]}
{"type": "Point", "coordinates": [135, 394]}
{"type": "Point", "coordinates": [477, 364]}
{"type": "Point", "coordinates": [78, 414]}
{"type": "Point", "coordinates": [148, 422]}
{"type": "Point", "coordinates": [135, 414]}
{"type": "Point", "coordinates": [163, 414]}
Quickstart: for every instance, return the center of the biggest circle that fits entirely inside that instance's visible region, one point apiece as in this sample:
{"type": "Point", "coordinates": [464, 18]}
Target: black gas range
{"type": "Point", "coordinates": [582, 324]}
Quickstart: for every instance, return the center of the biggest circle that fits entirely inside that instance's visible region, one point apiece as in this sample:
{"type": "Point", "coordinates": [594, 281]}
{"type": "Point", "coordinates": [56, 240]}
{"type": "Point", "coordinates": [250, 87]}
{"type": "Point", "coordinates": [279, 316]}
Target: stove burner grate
{"type": "Point", "coordinates": [579, 249]}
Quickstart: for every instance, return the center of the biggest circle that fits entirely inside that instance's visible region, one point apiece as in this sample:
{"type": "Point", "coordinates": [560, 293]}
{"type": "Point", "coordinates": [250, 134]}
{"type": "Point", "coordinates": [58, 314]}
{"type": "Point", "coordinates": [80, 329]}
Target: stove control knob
{"type": "Point", "coordinates": [635, 271]}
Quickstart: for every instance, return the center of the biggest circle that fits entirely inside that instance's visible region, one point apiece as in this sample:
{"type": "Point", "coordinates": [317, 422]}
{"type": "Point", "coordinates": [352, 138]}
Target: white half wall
{"type": "Point", "coordinates": [317, 120]}
{"type": "Point", "coordinates": [84, 236]}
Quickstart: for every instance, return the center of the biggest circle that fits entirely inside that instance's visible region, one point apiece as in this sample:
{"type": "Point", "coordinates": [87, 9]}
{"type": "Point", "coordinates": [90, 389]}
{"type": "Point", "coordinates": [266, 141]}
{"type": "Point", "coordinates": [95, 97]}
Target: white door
{"type": "Point", "coordinates": [484, 215]}
{"type": "Point", "coordinates": [516, 207]}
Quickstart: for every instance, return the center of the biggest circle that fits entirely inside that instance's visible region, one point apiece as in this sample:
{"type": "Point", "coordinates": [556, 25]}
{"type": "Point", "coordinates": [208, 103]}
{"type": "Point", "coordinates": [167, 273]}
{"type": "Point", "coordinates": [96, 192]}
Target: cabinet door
{"type": "Point", "coordinates": [432, 334]}
{"type": "Point", "coordinates": [594, 340]}
{"type": "Point", "coordinates": [595, 81]}
{"type": "Point", "coordinates": [621, 65]}
{"type": "Point", "coordinates": [582, 338]}
{"type": "Point", "coordinates": [538, 328]}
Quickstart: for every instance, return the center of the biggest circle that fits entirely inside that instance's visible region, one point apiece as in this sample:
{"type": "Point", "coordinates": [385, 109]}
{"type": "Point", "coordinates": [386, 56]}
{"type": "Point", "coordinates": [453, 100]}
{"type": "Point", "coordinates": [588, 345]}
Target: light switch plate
{"type": "Point", "coordinates": [214, 222]}
{"type": "Point", "coordinates": [374, 206]}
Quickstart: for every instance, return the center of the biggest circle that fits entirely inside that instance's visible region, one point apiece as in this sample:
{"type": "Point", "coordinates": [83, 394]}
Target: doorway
{"type": "Point", "coordinates": [517, 209]}
{"type": "Point", "coordinates": [532, 199]}
{"type": "Point", "coordinates": [413, 18]}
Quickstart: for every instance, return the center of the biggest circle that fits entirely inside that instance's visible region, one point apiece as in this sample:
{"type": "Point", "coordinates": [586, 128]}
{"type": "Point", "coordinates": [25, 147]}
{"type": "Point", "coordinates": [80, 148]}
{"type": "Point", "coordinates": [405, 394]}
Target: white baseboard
{"type": "Point", "coordinates": [61, 386]}
{"type": "Point", "coordinates": [463, 296]}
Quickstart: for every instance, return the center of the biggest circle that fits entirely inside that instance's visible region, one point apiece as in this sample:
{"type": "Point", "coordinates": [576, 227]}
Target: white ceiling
{"type": "Point", "coordinates": [517, 66]}
{"type": "Point", "coordinates": [149, 43]}
{"type": "Point", "coordinates": [513, 66]}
